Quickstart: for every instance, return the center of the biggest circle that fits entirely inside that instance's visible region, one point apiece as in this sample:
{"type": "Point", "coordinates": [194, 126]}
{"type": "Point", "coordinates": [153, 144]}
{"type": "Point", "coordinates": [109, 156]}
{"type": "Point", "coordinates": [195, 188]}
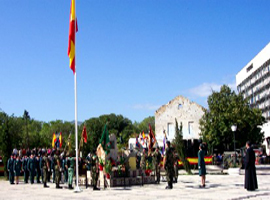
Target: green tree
{"type": "Point", "coordinates": [26, 117]}
{"type": "Point", "coordinates": [226, 108]}
{"type": "Point", "coordinates": [5, 139]}
{"type": "Point", "coordinates": [144, 125]}
{"type": "Point", "coordinates": [180, 146]}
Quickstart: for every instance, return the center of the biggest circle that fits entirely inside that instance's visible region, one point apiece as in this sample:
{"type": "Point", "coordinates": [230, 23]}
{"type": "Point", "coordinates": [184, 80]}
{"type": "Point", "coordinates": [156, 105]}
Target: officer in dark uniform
{"type": "Point", "coordinates": [31, 166]}
{"type": "Point", "coordinates": [17, 168]}
{"type": "Point", "coordinates": [10, 168]}
{"type": "Point", "coordinates": [25, 170]}
{"type": "Point", "coordinates": [168, 164]}
{"type": "Point", "coordinates": [38, 168]}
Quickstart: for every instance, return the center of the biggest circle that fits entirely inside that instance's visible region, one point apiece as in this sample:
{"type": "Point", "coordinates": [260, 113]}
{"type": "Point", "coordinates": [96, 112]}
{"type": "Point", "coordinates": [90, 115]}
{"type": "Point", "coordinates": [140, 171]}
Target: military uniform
{"type": "Point", "coordinates": [45, 170]}
{"type": "Point", "coordinates": [38, 169]}
{"type": "Point", "coordinates": [25, 170]}
{"type": "Point", "coordinates": [10, 168]}
{"type": "Point", "coordinates": [143, 165]}
{"type": "Point", "coordinates": [31, 166]}
{"type": "Point", "coordinates": [156, 162]}
{"type": "Point", "coordinates": [169, 167]}
{"type": "Point", "coordinates": [53, 168]}
{"type": "Point", "coordinates": [17, 169]}
{"type": "Point", "coordinates": [94, 171]}
{"type": "Point", "coordinates": [57, 171]}
{"type": "Point", "coordinates": [70, 166]}
{"type": "Point", "coordinates": [65, 170]}
{"type": "Point", "coordinates": [176, 168]}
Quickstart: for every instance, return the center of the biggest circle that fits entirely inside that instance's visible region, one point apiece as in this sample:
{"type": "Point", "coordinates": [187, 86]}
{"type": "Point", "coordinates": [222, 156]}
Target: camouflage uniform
{"type": "Point", "coordinates": [169, 166]}
{"type": "Point", "coordinates": [57, 171]}
{"type": "Point", "coordinates": [156, 162]}
{"type": "Point", "coordinates": [94, 171]}
{"type": "Point", "coordinates": [45, 164]}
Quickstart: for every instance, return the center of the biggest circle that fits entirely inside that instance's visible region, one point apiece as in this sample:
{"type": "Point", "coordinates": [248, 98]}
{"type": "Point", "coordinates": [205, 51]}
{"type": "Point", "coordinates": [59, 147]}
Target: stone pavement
{"type": "Point", "coordinates": [217, 187]}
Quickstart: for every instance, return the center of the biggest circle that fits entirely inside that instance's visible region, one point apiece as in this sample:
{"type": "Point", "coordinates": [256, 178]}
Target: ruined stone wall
{"type": "Point", "coordinates": [185, 111]}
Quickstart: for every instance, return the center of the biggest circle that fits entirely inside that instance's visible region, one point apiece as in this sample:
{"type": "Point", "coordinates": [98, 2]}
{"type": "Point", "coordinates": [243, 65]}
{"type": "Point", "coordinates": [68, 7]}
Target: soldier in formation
{"type": "Point", "coordinates": [57, 169]}
{"type": "Point", "coordinates": [168, 165]}
{"type": "Point", "coordinates": [143, 164]}
{"type": "Point", "coordinates": [17, 168]}
{"type": "Point", "coordinates": [25, 170]}
{"type": "Point", "coordinates": [156, 161]}
{"type": "Point", "coordinates": [94, 171]}
{"type": "Point", "coordinates": [10, 169]}
{"type": "Point", "coordinates": [70, 167]}
{"type": "Point", "coordinates": [31, 167]}
{"type": "Point", "coordinates": [45, 169]}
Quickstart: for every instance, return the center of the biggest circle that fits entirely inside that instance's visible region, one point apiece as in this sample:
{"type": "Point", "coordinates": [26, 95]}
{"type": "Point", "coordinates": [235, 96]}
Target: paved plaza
{"type": "Point", "coordinates": [217, 187]}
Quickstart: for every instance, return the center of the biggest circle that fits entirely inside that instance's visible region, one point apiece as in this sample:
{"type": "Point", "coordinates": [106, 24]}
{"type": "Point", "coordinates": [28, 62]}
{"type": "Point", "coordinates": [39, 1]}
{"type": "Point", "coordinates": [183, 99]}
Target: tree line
{"type": "Point", "coordinates": [26, 132]}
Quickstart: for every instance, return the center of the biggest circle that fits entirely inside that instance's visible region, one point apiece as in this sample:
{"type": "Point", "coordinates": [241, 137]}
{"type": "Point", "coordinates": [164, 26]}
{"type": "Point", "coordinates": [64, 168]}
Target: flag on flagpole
{"type": "Point", "coordinates": [164, 144]}
{"type": "Point", "coordinates": [105, 140]}
{"type": "Point", "coordinates": [53, 140]}
{"type": "Point", "coordinates": [73, 28]}
{"type": "Point", "coordinates": [60, 140]}
{"type": "Point", "coordinates": [84, 134]}
{"type": "Point", "coordinates": [151, 138]}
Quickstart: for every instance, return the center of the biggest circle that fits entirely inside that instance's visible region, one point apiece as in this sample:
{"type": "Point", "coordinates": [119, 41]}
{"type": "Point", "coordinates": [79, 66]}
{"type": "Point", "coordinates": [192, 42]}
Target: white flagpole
{"type": "Point", "coordinates": [77, 189]}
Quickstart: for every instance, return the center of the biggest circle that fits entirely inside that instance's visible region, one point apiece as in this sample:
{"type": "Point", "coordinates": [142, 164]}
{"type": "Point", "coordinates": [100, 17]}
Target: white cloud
{"type": "Point", "coordinates": [145, 107]}
{"type": "Point", "coordinates": [205, 89]}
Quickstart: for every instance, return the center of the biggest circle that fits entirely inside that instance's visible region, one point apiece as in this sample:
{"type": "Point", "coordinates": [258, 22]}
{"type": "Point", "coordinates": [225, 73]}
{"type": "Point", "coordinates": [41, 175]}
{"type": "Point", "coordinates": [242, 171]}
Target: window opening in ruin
{"type": "Point", "coordinates": [180, 106]}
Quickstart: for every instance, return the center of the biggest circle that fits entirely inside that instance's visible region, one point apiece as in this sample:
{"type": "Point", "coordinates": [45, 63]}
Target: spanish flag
{"type": "Point", "coordinates": [60, 139]}
{"type": "Point", "coordinates": [73, 28]}
{"type": "Point", "coordinates": [53, 140]}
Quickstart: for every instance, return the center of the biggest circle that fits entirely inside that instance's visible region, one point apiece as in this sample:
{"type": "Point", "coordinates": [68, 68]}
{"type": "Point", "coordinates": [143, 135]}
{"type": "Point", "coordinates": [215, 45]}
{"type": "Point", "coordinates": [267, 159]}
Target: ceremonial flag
{"type": "Point", "coordinates": [53, 140]}
{"type": "Point", "coordinates": [60, 139]}
{"type": "Point", "coordinates": [84, 134]}
{"type": "Point", "coordinates": [152, 138]}
{"type": "Point", "coordinates": [164, 144]}
{"type": "Point", "coordinates": [105, 140]}
{"type": "Point", "coordinates": [137, 143]}
{"type": "Point", "coordinates": [73, 28]}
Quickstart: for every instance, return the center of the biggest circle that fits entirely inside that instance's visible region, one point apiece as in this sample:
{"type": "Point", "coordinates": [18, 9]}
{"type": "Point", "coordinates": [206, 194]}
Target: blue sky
{"type": "Point", "coordinates": [132, 56]}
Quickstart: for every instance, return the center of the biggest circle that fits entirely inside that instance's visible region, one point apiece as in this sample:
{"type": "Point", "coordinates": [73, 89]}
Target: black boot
{"type": "Point", "coordinates": [45, 185]}
{"type": "Point", "coordinates": [95, 188]}
{"type": "Point", "coordinates": [70, 187]}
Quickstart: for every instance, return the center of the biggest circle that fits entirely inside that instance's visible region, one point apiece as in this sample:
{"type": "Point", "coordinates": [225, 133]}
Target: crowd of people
{"type": "Point", "coordinates": [48, 165]}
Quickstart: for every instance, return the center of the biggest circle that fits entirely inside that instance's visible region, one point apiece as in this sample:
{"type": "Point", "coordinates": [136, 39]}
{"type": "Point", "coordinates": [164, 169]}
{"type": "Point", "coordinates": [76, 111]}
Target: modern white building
{"type": "Point", "coordinates": [186, 112]}
{"type": "Point", "coordinates": [253, 81]}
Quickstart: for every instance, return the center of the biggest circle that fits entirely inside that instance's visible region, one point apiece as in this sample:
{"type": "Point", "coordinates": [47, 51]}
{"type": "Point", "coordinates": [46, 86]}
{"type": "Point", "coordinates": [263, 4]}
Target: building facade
{"type": "Point", "coordinates": [186, 112]}
{"type": "Point", "coordinates": [253, 81]}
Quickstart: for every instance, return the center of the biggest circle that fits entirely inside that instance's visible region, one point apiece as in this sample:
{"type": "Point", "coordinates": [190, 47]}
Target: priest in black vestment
{"type": "Point", "coordinates": [250, 169]}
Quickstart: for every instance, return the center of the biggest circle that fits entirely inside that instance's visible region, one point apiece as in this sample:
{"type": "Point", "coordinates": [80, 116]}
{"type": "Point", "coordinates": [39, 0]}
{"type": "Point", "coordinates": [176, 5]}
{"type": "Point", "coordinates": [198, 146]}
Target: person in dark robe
{"type": "Point", "coordinates": [250, 169]}
{"type": "Point", "coordinates": [201, 164]}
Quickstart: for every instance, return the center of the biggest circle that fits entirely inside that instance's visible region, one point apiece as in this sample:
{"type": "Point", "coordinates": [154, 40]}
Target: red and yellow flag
{"type": "Point", "coordinates": [84, 134]}
{"type": "Point", "coordinates": [53, 140]}
{"type": "Point", "coordinates": [73, 28]}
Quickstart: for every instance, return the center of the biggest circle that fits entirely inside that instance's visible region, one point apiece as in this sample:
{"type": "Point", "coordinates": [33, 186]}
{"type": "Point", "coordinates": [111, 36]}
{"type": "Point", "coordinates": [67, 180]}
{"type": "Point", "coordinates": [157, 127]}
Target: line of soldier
{"type": "Point", "coordinates": [41, 163]}
{"type": "Point", "coordinates": [46, 163]}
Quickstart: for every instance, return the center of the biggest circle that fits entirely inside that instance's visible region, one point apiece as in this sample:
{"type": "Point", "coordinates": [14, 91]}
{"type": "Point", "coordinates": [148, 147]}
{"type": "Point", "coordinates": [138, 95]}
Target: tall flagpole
{"type": "Point", "coordinates": [77, 189]}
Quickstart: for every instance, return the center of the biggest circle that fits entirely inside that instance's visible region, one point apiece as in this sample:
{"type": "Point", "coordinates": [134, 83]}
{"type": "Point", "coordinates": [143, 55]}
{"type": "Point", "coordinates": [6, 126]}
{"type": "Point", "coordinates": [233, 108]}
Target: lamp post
{"type": "Point", "coordinates": [234, 127]}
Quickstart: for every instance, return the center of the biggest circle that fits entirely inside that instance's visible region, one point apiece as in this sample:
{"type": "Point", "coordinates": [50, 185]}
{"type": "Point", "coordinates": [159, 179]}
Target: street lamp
{"type": "Point", "coordinates": [234, 127]}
